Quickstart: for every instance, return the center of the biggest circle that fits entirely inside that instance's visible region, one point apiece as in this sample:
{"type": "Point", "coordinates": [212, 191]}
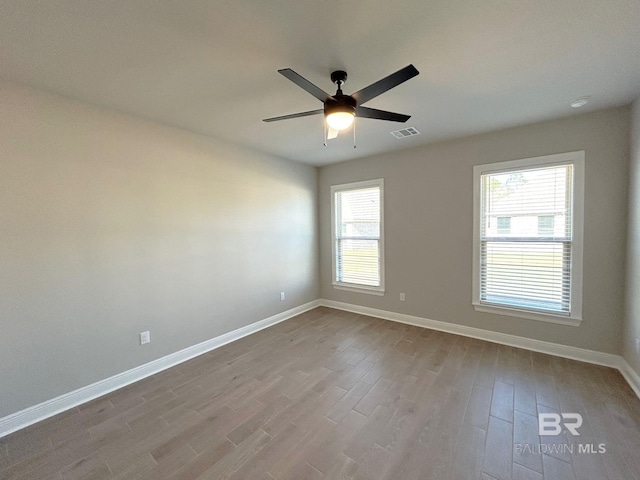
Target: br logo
{"type": "Point", "coordinates": [551, 423]}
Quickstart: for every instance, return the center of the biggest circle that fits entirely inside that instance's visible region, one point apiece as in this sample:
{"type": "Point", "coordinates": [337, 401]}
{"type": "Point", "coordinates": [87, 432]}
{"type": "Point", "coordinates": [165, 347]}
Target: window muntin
{"type": "Point", "coordinates": [357, 235]}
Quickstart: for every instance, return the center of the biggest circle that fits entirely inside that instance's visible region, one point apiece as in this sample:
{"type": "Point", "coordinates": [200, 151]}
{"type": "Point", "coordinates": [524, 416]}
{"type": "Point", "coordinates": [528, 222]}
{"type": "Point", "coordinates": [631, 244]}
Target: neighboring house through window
{"type": "Point", "coordinates": [357, 230]}
{"type": "Point", "coordinates": [528, 217]}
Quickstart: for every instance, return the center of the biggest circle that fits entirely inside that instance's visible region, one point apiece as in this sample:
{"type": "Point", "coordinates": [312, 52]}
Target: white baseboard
{"type": "Point", "coordinates": [581, 354]}
{"type": "Point", "coordinates": [630, 375]}
{"type": "Point", "coordinates": [49, 408]}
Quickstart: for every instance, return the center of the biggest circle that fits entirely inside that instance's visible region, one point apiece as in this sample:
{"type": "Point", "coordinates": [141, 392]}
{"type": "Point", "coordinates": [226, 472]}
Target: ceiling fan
{"type": "Point", "coordinates": [340, 109]}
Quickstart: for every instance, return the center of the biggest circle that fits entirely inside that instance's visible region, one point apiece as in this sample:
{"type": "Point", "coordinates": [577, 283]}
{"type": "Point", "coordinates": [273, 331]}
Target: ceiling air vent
{"type": "Point", "coordinates": [405, 132]}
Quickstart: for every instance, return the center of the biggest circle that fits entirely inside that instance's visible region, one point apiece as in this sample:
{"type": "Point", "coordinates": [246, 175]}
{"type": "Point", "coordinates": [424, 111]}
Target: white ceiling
{"type": "Point", "coordinates": [210, 66]}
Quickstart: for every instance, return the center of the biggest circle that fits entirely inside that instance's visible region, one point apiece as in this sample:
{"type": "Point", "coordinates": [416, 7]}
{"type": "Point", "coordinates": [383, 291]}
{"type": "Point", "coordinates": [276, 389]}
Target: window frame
{"type": "Point", "coordinates": [577, 160]}
{"type": "Point", "coordinates": [354, 287]}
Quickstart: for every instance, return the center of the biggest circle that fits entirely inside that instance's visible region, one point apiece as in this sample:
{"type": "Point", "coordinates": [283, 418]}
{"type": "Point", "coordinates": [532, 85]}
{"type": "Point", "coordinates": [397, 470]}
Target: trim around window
{"type": "Point", "coordinates": [358, 289]}
{"type": "Point", "coordinates": [353, 286]}
{"type": "Point", "coordinates": [574, 316]}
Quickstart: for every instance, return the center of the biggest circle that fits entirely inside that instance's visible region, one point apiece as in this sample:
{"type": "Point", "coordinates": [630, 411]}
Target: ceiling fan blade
{"type": "Point", "coordinates": [366, 112]}
{"type": "Point", "coordinates": [332, 133]}
{"type": "Point", "coordinates": [304, 84]}
{"type": "Point", "coordinates": [387, 83]}
{"type": "Point", "coordinates": [294, 115]}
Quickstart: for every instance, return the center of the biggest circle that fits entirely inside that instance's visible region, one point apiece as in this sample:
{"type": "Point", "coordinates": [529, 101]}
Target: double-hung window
{"type": "Point", "coordinates": [357, 230]}
{"type": "Point", "coordinates": [528, 217]}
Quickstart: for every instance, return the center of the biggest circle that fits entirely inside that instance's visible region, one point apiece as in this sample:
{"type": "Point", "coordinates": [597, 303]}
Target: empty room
{"type": "Point", "coordinates": [329, 240]}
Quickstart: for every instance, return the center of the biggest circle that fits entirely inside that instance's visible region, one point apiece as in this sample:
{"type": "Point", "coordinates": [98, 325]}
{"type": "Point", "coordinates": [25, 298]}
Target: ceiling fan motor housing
{"type": "Point", "coordinates": [340, 103]}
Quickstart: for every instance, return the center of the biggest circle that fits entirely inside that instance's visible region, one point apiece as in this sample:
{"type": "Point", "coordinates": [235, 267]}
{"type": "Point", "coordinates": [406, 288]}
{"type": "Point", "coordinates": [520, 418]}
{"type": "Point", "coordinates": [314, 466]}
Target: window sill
{"type": "Point", "coordinates": [356, 289]}
{"type": "Point", "coordinates": [541, 317]}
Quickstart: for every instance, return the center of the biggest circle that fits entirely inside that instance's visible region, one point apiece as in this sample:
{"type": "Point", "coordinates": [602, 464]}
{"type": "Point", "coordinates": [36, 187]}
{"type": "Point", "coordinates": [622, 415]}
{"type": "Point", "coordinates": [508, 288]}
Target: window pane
{"type": "Point", "coordinates": [523, 196]}
{"type": "Point", "coordinates": [526, 275]}
{"type": "Point", "coordinates": [357, 262]}
{"type": "Point", "coordinates": [359, 212]}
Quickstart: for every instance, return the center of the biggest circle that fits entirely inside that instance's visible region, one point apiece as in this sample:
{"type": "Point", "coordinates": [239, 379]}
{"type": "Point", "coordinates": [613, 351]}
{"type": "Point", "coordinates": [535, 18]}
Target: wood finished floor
{"type": "Point", "coordinates": [335, 395]}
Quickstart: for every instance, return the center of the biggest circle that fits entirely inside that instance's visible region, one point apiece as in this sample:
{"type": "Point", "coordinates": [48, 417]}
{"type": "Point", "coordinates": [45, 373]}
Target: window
{"type": "Point", "coordinates": [357, 229]}
{"type": "Point", "coordinates": [527, 258]}
{"type": "Point", "coordinates": [545, 225]}
{"type": "Point", "coordinates": [504, 225]}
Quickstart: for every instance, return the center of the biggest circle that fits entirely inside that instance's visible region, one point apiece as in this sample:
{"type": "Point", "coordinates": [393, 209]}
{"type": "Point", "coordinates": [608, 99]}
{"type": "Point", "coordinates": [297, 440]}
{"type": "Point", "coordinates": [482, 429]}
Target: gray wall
{"type": "Point", "coordinates": [428, 230]}
{"type": "Point", "coordinates": [632, 318]}
{"type": "Point", "coordinates": [111, 225]}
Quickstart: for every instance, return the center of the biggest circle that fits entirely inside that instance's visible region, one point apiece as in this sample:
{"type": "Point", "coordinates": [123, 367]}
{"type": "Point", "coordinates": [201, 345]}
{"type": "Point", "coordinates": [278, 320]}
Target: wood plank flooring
{"type": "Point", "coordinates": [335, 395]}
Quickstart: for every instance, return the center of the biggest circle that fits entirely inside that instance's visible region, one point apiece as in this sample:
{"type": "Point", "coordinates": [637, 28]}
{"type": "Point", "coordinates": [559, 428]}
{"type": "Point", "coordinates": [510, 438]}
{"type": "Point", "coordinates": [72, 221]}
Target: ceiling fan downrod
{"type": "Point", "coordinates": [339, 77]}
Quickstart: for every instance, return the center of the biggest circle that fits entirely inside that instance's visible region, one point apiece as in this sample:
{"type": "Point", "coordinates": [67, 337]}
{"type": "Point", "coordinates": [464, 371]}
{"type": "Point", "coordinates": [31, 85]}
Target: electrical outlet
{"type": "Point", "coordinates": [638, 346]}
{"type": "Point", "coordinates": [145, 337]}
{"type": "Point", "coordinates": [281, 296]}
{"type": "Point", "coordinates": [402, 297]}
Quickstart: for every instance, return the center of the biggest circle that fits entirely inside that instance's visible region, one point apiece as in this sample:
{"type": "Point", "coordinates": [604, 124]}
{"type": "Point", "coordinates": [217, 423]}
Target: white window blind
{"type": "Point", "coordinates": [529, 265]}
{"type": "Point", "coordinates": [357, 215]}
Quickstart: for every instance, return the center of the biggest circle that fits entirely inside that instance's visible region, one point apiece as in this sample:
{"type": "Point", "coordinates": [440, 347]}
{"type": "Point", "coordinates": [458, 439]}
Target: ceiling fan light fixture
{"type": "Point", "coordinates": [340, 120]}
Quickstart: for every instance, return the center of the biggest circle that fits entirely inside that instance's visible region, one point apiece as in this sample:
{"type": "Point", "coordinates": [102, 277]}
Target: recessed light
{"type": "Point", "coordinates": [580, 102]}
